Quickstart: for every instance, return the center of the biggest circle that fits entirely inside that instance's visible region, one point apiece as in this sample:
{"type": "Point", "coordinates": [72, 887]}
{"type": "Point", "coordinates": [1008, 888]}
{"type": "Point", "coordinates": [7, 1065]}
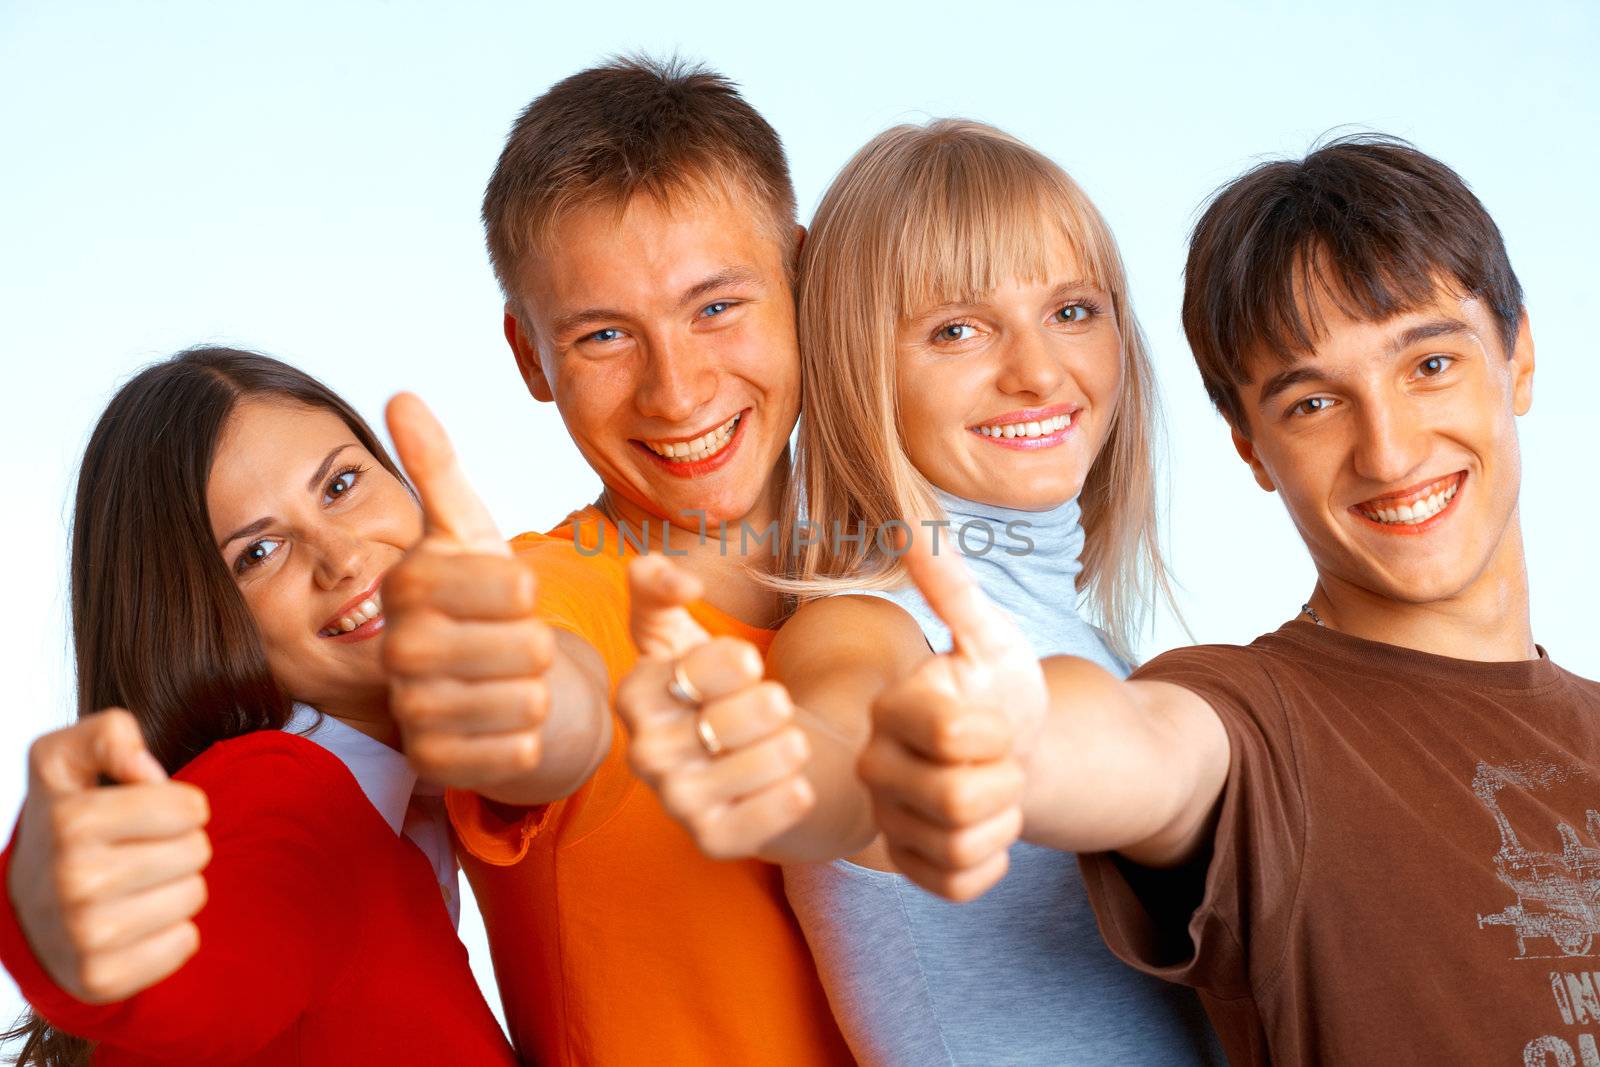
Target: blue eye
{"type": "Point", "coordinates": [602, 336]}
{"type": "Point", "coordinates": [718, 308]}
{"type": "Point", "coordinates": [256, 553]}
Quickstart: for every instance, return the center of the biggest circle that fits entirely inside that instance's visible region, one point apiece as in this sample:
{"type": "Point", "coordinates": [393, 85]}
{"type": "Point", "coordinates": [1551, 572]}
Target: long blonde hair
{"type": "Point", "coordinates": [924, 215]}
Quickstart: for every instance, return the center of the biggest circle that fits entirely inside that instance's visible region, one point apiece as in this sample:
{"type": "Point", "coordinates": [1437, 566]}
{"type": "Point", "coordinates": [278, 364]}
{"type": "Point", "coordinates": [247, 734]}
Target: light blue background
{"type": "Point", "coordinates": [304, 179]}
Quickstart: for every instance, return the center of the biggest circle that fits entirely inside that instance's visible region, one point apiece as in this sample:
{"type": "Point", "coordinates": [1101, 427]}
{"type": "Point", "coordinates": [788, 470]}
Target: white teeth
{"type": "Point", "coordinates": [702, 447]}
{"type": "Point", "coordinates": [1039, 428]}
{"type": "Point", "coordinates": [364, 612]}
{"type": "Point", "coordinates": [1411, 514]}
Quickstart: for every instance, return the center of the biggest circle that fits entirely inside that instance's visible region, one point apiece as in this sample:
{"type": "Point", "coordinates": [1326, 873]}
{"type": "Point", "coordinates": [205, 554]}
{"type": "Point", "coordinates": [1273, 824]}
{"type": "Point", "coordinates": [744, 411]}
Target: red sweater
{"type": "Point", "coordinates": [324, 940]}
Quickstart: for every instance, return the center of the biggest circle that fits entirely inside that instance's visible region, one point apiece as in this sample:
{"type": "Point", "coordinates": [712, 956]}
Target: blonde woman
{"type": "Point", "coordinates": [969, 355]}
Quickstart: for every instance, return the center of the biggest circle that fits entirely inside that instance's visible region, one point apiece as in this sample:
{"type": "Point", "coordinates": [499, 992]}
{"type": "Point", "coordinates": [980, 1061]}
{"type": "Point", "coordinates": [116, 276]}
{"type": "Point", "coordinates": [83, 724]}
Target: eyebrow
{"type": "Point", "coordinates": [311, 484]}
{"type": "Point", "coordinates": [323, 467]}
{"type": "Point", "coordinates": [1423, 331]}
{"type": "Point", "coordinates": [246, 531]}
{"type": "Point", "coordinates": [1058, 292]}
{"type": "Point", "coordinates": [1285, 380]}
{"type": "Point", "coordinates": [728, 276]}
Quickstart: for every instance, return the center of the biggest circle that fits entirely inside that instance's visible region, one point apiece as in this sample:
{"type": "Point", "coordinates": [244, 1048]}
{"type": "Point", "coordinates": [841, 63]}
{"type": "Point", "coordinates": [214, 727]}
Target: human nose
{"type": "Point", "coordinates": [1390, 445]}
{"type": "Point", "coordinates": [678, 380]}
{"type": "Point", "coordinates": [338, 556]}
{"type": "Point", "coordinates": [1029, 367]}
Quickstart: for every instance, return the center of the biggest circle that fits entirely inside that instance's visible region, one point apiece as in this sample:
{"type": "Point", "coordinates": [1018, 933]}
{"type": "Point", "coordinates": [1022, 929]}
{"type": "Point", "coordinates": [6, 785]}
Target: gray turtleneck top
{"type": "Point", "coordinates": [1021, 975]}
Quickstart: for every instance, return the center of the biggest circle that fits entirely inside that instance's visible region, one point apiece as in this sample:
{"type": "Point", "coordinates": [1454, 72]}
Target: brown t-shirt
{"type": "Point", "coordinates": [1406, 865]}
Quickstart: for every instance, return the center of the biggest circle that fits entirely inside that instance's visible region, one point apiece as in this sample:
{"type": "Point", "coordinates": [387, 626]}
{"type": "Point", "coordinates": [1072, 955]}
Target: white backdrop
{"type": "Point", "coordinates": [304, 179]}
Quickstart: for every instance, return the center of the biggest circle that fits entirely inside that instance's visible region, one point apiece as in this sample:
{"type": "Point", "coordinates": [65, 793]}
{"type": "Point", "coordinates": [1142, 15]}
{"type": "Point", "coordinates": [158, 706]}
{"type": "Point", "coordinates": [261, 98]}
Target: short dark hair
{"type": "Point", "coordinates": [1366, 218]}
{"type": "Point", "coordinates": [631, 125]}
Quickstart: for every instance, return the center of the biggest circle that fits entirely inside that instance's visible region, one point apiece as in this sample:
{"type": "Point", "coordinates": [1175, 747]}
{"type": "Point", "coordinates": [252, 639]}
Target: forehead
{"type": "Point", "coordinates": [268, 447]}
{"type": "Point", "coordinates": [1343, 342]}
{"type": "Point", "coordinates": [646, 253]}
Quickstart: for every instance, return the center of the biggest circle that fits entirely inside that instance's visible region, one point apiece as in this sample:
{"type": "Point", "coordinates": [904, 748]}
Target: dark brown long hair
{"type": "Point", "coordinates": [158, 625]}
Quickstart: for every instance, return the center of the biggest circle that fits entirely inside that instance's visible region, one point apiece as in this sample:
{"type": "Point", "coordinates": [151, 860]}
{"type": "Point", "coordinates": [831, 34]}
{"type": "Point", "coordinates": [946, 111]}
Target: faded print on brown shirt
{"type": "Point", "coordinates": [1406, 867]}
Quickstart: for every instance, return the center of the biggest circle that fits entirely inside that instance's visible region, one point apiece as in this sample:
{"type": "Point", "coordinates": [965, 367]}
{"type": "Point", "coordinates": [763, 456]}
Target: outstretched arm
{"type": "Point", "coordinates": [977, 747]}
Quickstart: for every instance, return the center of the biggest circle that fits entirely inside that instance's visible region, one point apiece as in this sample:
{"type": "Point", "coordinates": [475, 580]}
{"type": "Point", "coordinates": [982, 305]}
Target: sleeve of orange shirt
{"type": "Point", "coordinates": [587, 595]}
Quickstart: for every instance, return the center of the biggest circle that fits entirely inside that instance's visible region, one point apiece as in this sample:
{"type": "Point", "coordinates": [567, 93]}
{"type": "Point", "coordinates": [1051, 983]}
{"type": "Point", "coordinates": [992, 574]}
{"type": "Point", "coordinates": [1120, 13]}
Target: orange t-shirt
{"type": "Point", "coordinates": [615, 940]}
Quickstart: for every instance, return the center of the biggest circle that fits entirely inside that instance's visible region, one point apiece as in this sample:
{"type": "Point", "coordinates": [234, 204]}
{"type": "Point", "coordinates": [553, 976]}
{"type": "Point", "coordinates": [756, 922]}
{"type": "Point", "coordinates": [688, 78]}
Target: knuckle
{"type": "Point", "coordinates": [956, 798]}
{"type": "Point", "coordinates": [541, 643]}
{"type": "Point", "coordinates": [85, 931]}
{"type": "Point", "coordinates": [408, 647]}
{"type": "Point", "coordinates": [961, 850]}
{"type": "Point", "coordinates": [429, 757]}
{"type": "Point", "coordinates": [200, 851]}
{"type": "Point", "coordinates": [194, 799]}
{"type": "Point", "coordinates": [198, 894]}
{"type": "Point", "coordinates": [99, 978]}
{"type": "Point", "coordinates": [771, 700]}
{"type": "Point", "coordinates": [526, 752]}
{"type": "Point", "coordinates": [75, 880]}
{"type": "Point", "coordinates": [68, 821]}
{"type": "Point", "coordinates": [870, 764]}
{"type": "Point", "coordinates": [417, 705]}
{"type": "Point", "coordinates": [536, 703]}
{"type": "Point", "coordinates": [679, 797]}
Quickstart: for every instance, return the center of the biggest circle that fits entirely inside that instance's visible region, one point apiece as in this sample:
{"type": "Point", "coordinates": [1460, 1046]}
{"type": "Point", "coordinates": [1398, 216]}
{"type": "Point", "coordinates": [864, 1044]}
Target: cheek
{"type": "Point", "coordinates": [762, 351]}
{"type": "Point", "coordinates": [591, 393]}
{"type": "Point", "coordinates": [277, 620]}
{"type": "Point", "coordinates": [929, 419]}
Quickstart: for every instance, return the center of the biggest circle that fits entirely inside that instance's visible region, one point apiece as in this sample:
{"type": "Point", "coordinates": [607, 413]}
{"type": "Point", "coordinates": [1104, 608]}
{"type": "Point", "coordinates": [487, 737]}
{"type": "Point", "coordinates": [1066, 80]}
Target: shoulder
{"type": "Point", "coordinates": [850, 629]}
{"type": "Point", "coordinates": [1228, 677]}
{"type": "Point", "coordinates": [273, 771]}
{"type": "Point", "coordinates": [562, 560]}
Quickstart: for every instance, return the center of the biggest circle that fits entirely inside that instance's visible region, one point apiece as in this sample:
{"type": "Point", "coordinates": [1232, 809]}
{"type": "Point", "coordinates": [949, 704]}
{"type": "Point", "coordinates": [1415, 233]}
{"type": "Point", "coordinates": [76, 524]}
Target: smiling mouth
{"type": "Point", "coordinates": [696, 449]}
{"type": "Point", "coordinates": [1026, 428]}
{"type": "Point", "coordinates": [1412, 507]}
{"type": "Point", "coordinates": [367, 611]}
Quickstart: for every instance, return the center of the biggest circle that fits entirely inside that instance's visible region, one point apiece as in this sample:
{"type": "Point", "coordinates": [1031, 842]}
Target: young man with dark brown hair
{"type": "Point", "coordinates": [641, 223]}
{"type": "Point", "coordinates": [1357, 836]}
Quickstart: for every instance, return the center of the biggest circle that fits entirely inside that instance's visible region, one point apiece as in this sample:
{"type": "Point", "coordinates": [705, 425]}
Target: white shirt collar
{"type": "Point", "coordinates": [382, 773]}
{"type": "Point", "coordinates": [389, 784]}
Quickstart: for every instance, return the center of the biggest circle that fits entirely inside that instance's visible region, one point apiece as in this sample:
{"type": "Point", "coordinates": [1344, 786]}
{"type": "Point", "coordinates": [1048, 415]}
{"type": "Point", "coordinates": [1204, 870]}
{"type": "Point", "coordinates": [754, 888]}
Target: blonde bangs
{"type": "Point", "coordinates": [969, 223]}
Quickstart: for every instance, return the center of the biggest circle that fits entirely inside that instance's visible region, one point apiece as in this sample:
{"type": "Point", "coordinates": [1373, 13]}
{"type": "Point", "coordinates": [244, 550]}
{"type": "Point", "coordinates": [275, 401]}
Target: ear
{"type": "Point", "coordinates": [1522, 367]}
{"type": "Point", "coordinates": [527, 358]}
{"type": "Point", "coordinates": [1247, 452]}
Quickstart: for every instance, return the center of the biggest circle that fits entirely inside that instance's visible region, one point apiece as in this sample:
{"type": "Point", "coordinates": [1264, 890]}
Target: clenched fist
{"type": "Point", "coordinates": [468, 660]}
{"type": "Point", "coordinates": [106, 879]}
{"type": "Point", "coordinates": [943, 762]}
{"type": "Point", "coordinates": [717, 743]}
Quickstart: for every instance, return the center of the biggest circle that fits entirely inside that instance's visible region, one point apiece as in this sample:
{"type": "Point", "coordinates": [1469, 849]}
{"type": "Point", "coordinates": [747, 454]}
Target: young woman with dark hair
{"type": "Point", "coordinates": [234, 521]}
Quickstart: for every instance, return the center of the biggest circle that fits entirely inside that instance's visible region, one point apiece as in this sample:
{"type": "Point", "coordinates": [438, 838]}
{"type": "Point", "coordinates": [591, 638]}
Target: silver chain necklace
{"type": "Point", "coordinates": [1307, 609]}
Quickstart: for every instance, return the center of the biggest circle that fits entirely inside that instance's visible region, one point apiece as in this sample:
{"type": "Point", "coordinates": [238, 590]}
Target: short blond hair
{"type": "Point", "coordinates": [634, 125]}
{"type": "Point", "coordinates": [925, 215]}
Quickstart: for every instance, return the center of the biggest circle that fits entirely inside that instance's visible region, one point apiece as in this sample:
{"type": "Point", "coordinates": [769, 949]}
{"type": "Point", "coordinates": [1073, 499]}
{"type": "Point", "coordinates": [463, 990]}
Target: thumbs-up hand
{"type": "Point", "coordinates": [942, 764]}
{"type": "Point", "coordinates": [467, 657]}
{"type": "Point", "coordinates": [717, 743]}
{"type": "Point", "coordinates": [106, 879]}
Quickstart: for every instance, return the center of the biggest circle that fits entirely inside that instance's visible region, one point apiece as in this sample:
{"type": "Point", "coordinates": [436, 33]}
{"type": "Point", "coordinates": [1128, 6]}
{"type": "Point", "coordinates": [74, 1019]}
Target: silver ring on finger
{"type": "Point", "coordinates": [708, 736]}
{"type": "Point", "coordinates": [679, 687]}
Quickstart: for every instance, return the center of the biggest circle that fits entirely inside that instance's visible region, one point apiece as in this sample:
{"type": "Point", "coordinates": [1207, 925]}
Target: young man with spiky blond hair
{"type": "Point", "coordinates": [641, 223]}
